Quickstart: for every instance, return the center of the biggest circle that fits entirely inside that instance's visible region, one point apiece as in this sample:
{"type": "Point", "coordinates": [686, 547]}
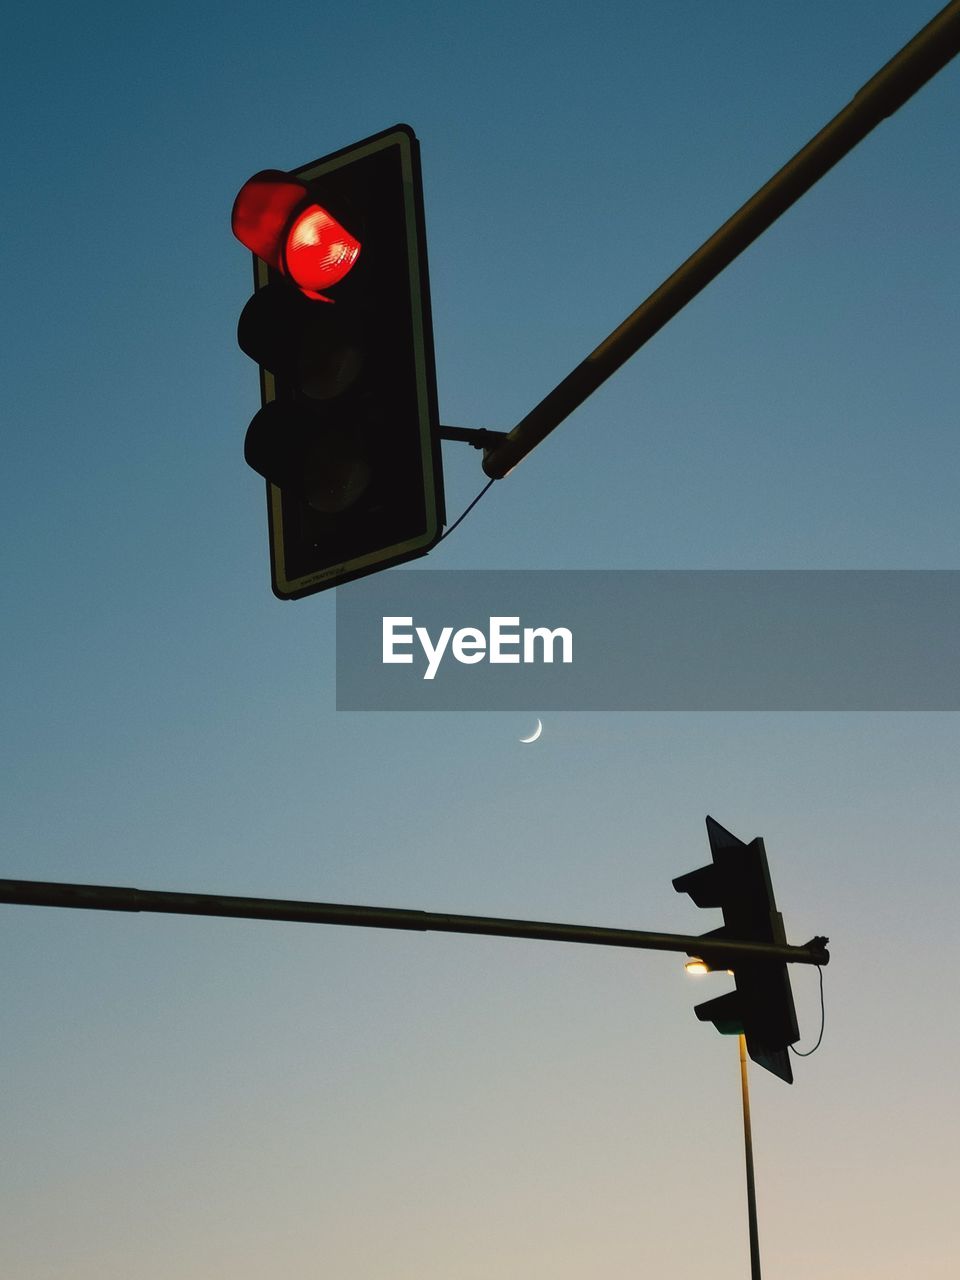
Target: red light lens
{"type": "Point", "coordinates": [319, 251]}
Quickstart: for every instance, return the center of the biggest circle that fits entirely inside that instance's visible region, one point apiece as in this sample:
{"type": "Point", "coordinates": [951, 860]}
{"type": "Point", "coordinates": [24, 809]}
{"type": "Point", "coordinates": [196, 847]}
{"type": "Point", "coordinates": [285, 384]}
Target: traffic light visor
{"type": "Point", "coordinates": [262, 213]}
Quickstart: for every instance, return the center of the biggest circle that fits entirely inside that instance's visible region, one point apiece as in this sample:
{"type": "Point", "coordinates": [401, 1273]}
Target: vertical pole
{"type": "Point", "coordinates": [748, 1150]}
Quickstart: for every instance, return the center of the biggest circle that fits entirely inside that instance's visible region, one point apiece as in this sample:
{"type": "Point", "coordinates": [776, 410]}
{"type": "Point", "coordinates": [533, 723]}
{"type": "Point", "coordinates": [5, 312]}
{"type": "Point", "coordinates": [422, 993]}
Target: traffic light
{"type": "Point", "coordinates": [761, 1007]}
{"type": "Point", "coordinates": [347, 437]}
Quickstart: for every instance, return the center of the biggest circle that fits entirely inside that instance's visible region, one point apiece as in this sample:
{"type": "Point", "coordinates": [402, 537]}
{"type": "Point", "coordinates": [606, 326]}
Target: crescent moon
{"type": "Point", "coordinates": [536, 733]}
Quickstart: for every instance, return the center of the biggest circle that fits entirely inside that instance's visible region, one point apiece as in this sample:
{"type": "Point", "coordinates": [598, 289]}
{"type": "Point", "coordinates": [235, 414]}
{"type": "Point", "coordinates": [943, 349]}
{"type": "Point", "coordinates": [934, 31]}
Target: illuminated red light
{"type": "Point", "coordinates": [274, 218]}
{"type": "Point", "coordinates": [318, 251]}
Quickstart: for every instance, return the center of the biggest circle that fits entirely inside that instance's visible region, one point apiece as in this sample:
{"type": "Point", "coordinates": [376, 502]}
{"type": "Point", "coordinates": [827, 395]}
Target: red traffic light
{"type": "Point", "coordinates": [347, 437]}
{"type": "Point", "coordinates": [275, 218]}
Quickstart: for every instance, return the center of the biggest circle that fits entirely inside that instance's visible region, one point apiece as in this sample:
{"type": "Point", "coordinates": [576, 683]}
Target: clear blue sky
{"type": "Point", "coordinates": [210, 1100]}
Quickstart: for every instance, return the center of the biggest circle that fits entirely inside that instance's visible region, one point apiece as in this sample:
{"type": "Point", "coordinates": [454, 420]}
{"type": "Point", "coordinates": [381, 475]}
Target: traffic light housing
{"type": "Point", "coordinates": [347, 437]}
{"type": "Point", "coordinates": [761, 1008]}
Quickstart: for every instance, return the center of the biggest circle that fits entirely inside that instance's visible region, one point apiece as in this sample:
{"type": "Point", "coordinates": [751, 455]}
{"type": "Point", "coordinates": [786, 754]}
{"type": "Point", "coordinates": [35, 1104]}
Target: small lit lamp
{"type": "Point", "coordinates": [696, 965]}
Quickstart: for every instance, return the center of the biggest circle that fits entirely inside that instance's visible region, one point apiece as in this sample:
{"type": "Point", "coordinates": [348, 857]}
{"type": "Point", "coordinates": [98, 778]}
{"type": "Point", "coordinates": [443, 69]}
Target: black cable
{"type": "Point", "coordinates": [467, 512]}
{"type": "Point", "coordinates": [823, 1019]}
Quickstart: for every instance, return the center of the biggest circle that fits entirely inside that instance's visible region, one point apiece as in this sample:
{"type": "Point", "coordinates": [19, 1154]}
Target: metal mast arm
{"type": "Point", "coordinates": [926, 54]}
{"type": "Point", "coordinates": [42, 893]}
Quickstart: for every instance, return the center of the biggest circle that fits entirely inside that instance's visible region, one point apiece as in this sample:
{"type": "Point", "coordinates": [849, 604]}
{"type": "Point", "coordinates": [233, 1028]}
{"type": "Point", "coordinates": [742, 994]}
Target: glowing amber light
{"type": "Point", "coordinates": [696, 965]}
{"type": "Point", "coordinates": [319, 251]}
{"type": "Point", "coordinates": [274, 217]}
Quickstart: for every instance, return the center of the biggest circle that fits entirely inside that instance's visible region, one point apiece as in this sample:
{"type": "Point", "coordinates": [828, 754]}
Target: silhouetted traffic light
{"type": "Point", "coordinates": [761, 1007]}
{"type": "Point", "coordinates": [348, 436]}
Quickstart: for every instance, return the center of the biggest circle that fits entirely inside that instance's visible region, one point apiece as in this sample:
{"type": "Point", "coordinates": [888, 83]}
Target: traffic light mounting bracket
{"type": "Point", "coordinates": [479, 437]}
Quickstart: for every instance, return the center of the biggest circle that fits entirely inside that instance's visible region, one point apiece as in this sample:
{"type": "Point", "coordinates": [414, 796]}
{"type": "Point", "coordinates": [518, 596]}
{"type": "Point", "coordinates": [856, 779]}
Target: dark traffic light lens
{"type": "Point", "coordinates": [308, 456]}
{"type": "Point", "coordinates": [316, 351]}
{"type": "Point", "coordinates": [336, 475]}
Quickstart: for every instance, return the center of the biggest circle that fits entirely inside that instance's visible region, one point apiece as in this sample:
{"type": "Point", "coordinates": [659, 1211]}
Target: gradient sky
{"type": "Point", "coordinates": [227, 1100]}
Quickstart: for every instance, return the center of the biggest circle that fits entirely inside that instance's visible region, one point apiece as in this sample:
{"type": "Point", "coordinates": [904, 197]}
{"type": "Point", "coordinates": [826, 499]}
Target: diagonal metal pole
{"type": "Point", "coordinates": [95, 897]}
{"type": "Point", "coordinates": [926, 54]}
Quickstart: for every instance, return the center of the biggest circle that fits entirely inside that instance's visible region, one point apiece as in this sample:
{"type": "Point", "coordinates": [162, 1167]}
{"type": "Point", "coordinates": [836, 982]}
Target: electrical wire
{"type": "Point", "coordinates": [823, 1019]}
{"type": "Point", "coordinates": [467, 512]}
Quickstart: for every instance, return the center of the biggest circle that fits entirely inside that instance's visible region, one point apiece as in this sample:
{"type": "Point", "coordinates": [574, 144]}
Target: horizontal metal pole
{"type": "Point", "coordinates": [926, 54]}
{"type": "Point", "coordinates": [92, 897]}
